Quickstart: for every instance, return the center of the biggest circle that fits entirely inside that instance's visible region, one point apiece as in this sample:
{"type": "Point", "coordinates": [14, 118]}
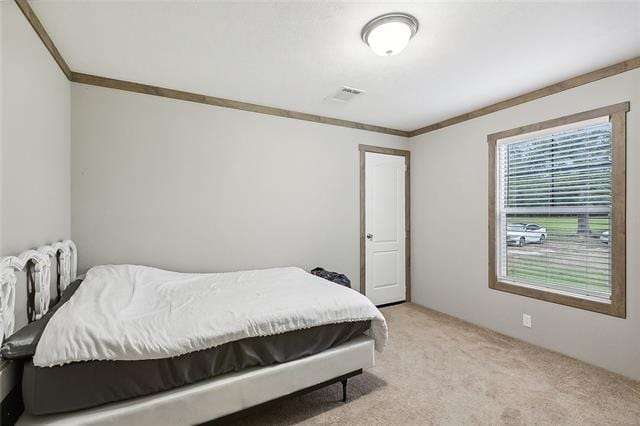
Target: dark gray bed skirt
{"type": "Point", "coordinates": [82, 385]}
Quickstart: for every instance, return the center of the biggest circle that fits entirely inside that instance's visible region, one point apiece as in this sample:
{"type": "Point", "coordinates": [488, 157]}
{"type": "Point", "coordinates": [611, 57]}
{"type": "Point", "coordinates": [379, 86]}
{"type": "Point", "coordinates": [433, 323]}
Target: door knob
{"type": "Point", "coordinates": [369, 236]}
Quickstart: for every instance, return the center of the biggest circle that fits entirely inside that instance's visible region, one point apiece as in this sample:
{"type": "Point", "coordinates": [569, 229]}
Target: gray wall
{"type": "Point", "coordinates": [198, 188]}
{"type": "Point", "coordinates": [192, 187]}
{"type": "Point", "coordinates": [449, 219]}
{"type": "Point", "coordinates": [35, 161]}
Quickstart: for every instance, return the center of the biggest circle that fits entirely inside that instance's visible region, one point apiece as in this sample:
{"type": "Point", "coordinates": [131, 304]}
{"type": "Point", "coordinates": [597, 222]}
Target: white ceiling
{"type": "Point", "coordinates": [294, 54]}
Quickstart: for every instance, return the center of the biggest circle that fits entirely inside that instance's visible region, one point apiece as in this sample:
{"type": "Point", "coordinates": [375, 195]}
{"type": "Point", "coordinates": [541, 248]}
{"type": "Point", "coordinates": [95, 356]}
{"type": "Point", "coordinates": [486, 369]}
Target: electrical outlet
{"type": "Point", "coordinates": [526, 320]}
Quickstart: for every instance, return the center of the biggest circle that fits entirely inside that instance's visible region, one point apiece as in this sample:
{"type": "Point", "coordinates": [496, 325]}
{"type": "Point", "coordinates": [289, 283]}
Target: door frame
{"type": "Point", "coordinates": [407, 213]}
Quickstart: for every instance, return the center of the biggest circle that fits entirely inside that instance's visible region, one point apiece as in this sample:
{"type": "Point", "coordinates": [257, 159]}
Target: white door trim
{"type": "Point", "coordinates": [407, 155]}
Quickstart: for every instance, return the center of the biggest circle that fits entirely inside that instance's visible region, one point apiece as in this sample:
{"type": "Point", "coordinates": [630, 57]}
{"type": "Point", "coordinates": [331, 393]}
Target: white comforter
{"type": "Point", "coordinates": [127, 312]}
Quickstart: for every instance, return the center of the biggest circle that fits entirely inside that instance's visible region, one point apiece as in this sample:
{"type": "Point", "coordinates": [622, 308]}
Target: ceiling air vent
{"type": "Point", "coordinates": [345, 94]}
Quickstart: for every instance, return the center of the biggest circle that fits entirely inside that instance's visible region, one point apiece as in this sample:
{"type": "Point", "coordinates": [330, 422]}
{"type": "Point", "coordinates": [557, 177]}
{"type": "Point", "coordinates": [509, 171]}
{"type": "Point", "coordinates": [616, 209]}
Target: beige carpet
{"type": "Point", "coordinates": [440, 370]}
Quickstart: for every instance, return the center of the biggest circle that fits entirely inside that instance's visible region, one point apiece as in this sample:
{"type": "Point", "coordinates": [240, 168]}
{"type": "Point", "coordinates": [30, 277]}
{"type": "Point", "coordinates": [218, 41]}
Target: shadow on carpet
{"type": "Point", "coordinates": [314, 403]}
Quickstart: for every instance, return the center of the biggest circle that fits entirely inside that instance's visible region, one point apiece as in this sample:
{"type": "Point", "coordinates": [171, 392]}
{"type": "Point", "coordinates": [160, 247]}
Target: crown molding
{"type": "Point", "coordinates": [579, 80]}
{"type": "Point", "coordinates": [129, 86]}
{"type": "Point", "coordinates": [164, 92]}
{"type": "Point", "coordinates": [31, 16]}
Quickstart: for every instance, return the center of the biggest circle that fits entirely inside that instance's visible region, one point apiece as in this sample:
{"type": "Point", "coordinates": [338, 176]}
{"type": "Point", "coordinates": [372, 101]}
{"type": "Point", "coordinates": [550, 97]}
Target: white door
{"type": "Point", "coordinates": [385, 235]}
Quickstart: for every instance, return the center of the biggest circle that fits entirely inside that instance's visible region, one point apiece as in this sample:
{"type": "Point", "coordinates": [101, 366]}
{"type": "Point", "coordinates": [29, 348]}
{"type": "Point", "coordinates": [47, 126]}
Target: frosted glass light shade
{"type": "Point", "coordinates": [389, 34]}
{"type": "Point", "coordinates": [389, 39]}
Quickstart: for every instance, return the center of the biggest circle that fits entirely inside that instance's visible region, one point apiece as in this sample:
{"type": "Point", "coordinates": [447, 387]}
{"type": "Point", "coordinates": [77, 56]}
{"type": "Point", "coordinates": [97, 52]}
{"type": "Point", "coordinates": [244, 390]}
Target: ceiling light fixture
{"type": "Point", "coordinates": [389, 34]}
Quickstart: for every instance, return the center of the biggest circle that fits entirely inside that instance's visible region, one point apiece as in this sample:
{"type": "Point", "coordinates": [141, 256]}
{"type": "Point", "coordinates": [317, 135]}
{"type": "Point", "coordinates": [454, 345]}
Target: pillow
{"type": "Point", "coordinates": [22, 343]}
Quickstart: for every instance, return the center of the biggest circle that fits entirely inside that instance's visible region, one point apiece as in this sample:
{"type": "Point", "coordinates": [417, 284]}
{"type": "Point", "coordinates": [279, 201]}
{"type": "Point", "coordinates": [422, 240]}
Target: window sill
{"type": "Point", "coordinates": [580, 302]}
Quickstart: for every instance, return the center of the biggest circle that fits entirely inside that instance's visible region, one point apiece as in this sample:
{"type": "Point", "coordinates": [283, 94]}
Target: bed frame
{"type": "Point", "coordinates": [215, 400]}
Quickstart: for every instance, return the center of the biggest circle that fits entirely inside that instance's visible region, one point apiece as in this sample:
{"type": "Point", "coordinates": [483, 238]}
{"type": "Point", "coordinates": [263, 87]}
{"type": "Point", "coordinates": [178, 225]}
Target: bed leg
{"type": "Point", "coordinates": [344, 390]}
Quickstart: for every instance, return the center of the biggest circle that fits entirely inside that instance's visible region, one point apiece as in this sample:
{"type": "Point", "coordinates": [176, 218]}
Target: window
{"type": "Point", "coordinates": [557, 210]}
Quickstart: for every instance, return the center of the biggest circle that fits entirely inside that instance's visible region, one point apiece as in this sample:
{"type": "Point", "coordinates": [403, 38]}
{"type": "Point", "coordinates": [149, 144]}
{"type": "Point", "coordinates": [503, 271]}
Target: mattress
{"type": "Point", "coordinates": [136, 312]}
{"type": "Point", "coordinates": [80, 385]}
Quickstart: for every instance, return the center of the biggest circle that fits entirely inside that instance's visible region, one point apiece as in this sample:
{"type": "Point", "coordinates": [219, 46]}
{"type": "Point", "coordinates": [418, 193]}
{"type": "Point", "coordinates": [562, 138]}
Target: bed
{"type": "Point", "coordinates": [221, 343]}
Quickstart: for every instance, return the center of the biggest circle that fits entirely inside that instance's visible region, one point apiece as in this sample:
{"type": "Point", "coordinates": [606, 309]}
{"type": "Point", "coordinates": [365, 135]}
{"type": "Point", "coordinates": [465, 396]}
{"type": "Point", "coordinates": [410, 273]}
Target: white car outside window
{"type": "Point", "coordinates": [520, 234]}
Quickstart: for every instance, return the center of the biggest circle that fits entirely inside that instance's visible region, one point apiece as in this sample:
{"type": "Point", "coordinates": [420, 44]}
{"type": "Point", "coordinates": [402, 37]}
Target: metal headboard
{"type": "Point", "coordinates": [37, 265]}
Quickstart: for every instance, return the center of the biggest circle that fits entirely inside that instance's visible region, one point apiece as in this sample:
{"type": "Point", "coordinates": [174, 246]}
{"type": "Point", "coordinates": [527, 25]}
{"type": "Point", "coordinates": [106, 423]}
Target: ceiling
{"type": "Point", "coordinates": [293, 55]}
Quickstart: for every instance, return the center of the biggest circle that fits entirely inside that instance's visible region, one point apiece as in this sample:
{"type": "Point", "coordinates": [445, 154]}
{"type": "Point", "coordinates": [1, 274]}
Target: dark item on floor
{"type": "Point", "coordinates": [335, 277]}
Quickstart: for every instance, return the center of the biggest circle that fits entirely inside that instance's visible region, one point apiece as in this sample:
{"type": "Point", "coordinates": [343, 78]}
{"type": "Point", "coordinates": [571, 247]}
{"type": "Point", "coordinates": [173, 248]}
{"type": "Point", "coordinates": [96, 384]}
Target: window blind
{"type": "Point", "coordinates": [554, 210]}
